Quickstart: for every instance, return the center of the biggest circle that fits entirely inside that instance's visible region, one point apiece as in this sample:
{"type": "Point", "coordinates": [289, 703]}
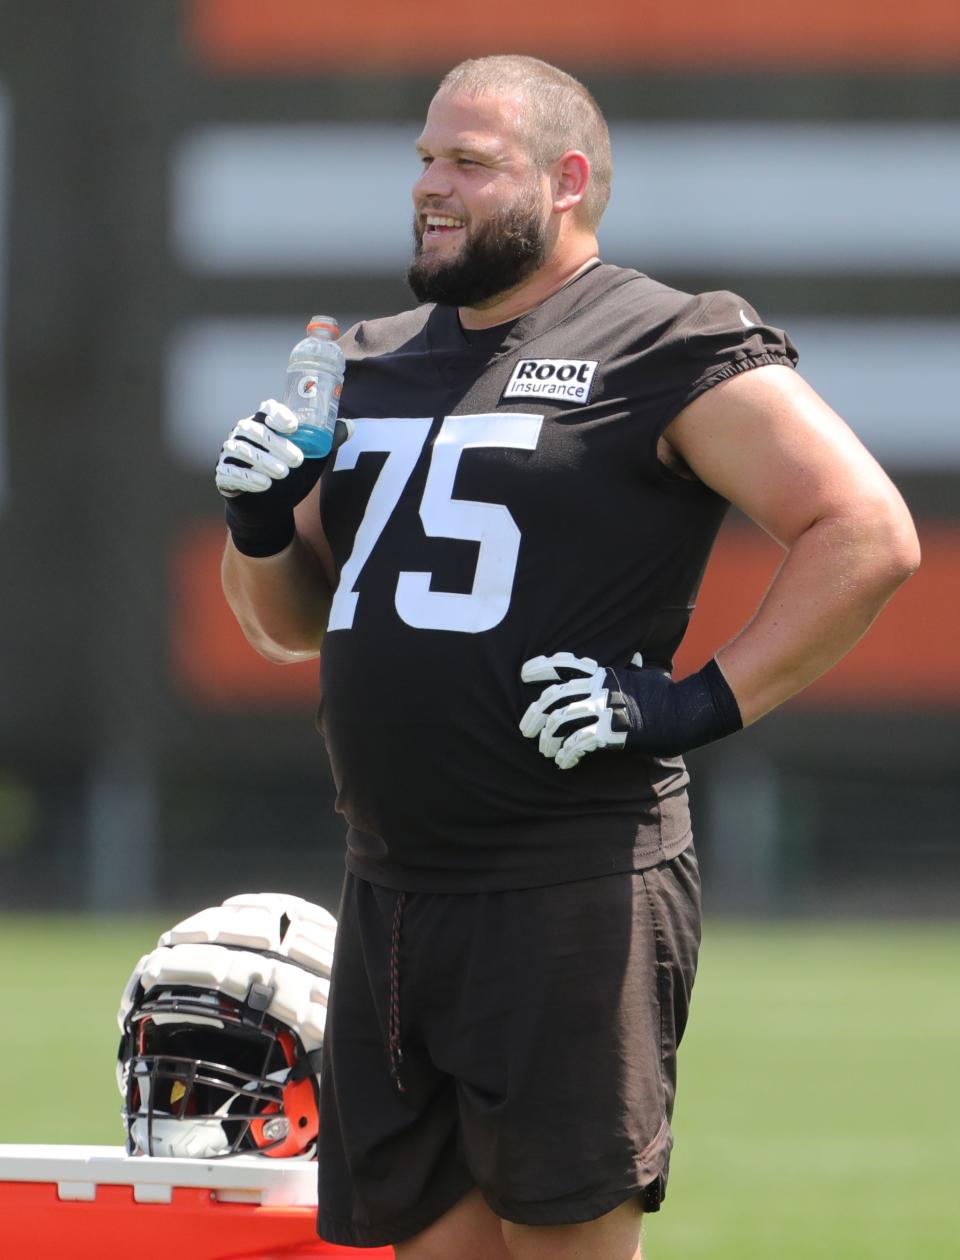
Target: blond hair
{"type": "Point", "coordinates": [560, 114]}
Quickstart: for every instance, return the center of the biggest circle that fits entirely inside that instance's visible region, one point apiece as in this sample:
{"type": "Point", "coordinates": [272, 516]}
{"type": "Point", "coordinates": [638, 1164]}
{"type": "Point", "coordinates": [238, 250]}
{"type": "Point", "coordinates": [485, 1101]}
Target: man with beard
{"type": "Point", "coordinates": [498, 563]}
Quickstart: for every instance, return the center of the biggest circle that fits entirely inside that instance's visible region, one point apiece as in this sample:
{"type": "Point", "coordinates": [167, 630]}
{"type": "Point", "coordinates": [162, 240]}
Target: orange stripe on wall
{"type": "Point", "coordinates": [908, 659]}
{"type": "Point", "coordinates": [211, 660]}
{"type": "Point", "coordinates": [284, 36]}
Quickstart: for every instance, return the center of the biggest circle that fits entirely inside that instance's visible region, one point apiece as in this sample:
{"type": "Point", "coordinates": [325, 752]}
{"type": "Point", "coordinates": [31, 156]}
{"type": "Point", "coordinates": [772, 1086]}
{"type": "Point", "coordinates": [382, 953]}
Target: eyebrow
{"type": "Point", "coordinates": [469, 151]}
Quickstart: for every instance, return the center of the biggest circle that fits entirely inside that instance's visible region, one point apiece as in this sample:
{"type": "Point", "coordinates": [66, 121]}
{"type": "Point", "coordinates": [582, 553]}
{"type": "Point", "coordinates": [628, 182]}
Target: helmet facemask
{"type": "Point", "coordinates": [206, 1077]}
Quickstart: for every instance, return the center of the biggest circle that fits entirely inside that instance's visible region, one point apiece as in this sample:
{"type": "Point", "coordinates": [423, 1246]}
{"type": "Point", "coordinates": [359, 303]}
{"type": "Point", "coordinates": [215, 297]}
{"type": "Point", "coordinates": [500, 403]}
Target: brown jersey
{"type": "Point", "coordinates": [496, 502]}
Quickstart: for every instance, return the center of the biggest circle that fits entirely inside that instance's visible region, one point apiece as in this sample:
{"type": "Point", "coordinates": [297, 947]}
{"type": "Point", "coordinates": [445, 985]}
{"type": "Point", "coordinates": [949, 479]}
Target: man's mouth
{"type": "Point", "coordinates": [437, 225]}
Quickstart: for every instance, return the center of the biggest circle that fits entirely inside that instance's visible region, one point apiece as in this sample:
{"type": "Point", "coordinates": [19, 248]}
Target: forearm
{"type": "Point", "coordinates": [281, 602]}
{"type": "Point", "coordinates": [835, 579]}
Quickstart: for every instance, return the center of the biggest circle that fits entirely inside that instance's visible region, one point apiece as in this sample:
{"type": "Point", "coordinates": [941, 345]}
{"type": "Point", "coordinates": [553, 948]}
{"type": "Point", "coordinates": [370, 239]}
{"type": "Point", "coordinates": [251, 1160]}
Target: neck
{"type": "Point", "coordinates": [533, 291]}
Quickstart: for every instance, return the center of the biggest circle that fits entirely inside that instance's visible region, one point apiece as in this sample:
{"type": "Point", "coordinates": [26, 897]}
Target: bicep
{"type": "Point", "coordinates": [769, 444]}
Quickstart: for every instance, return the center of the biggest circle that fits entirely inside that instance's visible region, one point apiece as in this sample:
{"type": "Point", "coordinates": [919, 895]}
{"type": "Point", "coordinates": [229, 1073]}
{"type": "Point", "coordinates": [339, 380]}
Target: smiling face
{"type": "Point", "coordinates": [480, 205]}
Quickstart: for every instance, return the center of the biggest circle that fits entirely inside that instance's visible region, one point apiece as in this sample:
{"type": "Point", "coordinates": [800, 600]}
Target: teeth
{"type": "Point", "coordinates": [443, 220]}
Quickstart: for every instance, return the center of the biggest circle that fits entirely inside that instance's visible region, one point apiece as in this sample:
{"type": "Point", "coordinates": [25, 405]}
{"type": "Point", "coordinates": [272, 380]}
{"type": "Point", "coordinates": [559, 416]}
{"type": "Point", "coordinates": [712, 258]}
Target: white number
{"type": "Point", "coordinates": [443, 516]}
{"type": "Point", "coordinates": [489, 524]}
{"type": "Point", "coordinates": [403, 441]}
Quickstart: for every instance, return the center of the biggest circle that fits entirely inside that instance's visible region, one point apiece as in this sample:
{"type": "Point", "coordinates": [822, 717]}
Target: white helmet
{"type": "Point", "coordinates": [221, 1031]}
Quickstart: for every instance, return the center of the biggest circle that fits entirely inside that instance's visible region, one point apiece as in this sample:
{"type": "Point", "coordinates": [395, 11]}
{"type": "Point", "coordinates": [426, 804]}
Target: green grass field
{"type": "Point", "coordinates": [818, 1110]}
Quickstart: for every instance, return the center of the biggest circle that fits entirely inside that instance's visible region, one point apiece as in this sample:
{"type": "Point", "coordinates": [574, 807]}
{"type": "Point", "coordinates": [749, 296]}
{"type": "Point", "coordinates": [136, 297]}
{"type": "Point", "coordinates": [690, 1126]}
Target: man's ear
{"type": "Point", "coordinates": [570, 176]}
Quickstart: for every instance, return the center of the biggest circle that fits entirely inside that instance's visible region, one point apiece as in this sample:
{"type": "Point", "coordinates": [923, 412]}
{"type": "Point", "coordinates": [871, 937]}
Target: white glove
{"type": "Point", "coordinates": [259, 468]}
{"type": "Point", "coordinates": [582, 699]}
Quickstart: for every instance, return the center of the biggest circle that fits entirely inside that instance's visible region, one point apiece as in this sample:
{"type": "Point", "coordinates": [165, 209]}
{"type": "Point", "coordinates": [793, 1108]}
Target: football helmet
{"type": "Point", "coordinates": [221, 1029]}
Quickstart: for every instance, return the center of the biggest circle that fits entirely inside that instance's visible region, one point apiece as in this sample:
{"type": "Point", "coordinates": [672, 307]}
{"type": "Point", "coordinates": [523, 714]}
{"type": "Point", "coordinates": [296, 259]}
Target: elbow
{"type": "Point", "coordinates": [282, 656]}
{"type": "Point", "coordinates": [903, 546]}
{"type": "Point", "coordinates": [907, 558]}
{"type": "Point", "coordinates": [894, 547]}
{"type": "Point", "coordinates": [290, 651]}
{"type": "Point", "coordinates": [279, 654]}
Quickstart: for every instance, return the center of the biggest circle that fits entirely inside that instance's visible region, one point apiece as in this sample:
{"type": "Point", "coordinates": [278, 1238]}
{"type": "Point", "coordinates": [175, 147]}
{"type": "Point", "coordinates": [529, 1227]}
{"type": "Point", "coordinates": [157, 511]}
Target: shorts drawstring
{"type": "Point", "coordinates": [393, 1035]}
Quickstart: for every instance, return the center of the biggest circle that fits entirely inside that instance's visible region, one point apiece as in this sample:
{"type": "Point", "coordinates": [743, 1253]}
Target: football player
{"type": "Point", "coordinates": [496, 566]}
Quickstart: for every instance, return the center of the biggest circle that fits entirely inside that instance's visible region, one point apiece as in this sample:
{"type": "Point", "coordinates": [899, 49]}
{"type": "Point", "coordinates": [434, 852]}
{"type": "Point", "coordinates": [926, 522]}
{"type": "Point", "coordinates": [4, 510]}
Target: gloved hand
{"type": "Point", "coordinates": [590, 707]}
{"type": "Point", "coordinates": [263, 476]}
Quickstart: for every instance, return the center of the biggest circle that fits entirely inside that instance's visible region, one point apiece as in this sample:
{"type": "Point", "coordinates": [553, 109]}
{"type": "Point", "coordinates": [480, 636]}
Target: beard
{"type": "Point", "coordinates": [496, 256]}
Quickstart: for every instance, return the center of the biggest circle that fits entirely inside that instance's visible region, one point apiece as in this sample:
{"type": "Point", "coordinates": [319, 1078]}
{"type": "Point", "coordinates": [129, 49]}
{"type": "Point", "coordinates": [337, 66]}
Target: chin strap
{"type": "Point", "coordinates": [307, 1065]}
{"type": "Point", "coordinates": [179, 1139]}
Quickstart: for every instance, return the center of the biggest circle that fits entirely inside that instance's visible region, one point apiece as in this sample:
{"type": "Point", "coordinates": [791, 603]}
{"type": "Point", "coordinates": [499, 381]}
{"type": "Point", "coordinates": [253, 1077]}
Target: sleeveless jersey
{"type": "Point", "coordinates": [491, 505]}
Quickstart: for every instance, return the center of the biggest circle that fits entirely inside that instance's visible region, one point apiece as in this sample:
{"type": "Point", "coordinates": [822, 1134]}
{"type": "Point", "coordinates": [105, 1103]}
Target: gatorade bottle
{"type": "Point", "coordinates": [314, 383]}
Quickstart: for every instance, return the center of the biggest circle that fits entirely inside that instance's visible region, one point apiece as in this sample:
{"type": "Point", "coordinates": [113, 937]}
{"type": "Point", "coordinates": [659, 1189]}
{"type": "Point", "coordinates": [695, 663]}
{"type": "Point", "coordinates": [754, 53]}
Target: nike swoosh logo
{"type": "Point", "coordinates": [747, 323]}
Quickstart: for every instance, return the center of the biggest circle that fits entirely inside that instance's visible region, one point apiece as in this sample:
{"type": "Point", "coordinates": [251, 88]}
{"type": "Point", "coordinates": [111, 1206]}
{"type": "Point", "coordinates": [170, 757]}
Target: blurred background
{"type": "Point", "coordinates": [183, 183]}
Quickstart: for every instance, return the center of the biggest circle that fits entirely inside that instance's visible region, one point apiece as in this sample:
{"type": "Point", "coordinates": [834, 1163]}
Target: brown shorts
{"type": "Point", "coordinates": [534, 1034]}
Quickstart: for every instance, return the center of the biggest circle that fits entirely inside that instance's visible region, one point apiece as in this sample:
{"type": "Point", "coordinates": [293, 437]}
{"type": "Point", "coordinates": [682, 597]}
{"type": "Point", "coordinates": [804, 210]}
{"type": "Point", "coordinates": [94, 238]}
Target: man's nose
{"type": "Point", "coordinates": [434, 181]}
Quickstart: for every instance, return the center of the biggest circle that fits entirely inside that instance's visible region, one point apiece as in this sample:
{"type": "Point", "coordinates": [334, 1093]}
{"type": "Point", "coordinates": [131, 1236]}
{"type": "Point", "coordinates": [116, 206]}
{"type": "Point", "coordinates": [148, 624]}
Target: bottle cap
{"type": "Point", "coordinates": [326, 322]}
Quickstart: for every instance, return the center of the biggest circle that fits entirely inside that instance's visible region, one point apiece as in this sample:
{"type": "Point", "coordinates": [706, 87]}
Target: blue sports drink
{"type": "Point", "coordinates": [314, 383]}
